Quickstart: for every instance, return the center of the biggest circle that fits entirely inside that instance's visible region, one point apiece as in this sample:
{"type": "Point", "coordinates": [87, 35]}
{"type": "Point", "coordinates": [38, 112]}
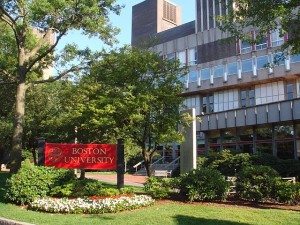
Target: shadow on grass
{"type": "Point", "coordinates": [188, 220]}
{"type": "Point", "coordinates": [3, 177]}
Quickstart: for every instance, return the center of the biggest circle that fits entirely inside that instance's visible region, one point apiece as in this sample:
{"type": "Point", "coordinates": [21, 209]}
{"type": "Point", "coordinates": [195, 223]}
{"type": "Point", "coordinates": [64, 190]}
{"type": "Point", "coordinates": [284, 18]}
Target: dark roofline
{"type": "Point", "coordinates": [175, 33]}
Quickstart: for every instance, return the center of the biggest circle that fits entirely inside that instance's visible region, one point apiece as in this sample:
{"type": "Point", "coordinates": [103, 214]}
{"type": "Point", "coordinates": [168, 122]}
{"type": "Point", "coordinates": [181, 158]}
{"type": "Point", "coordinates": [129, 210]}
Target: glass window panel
{"type": "Point", "coordinates": [279, 58]}
{"type": "Point", "coordinates": [262, 62]}
{"type": "Point", "coordinates": [295, 58]}
{"type": "Point", "coordinates": [171, 56]}
{"type": "Point", "coordinates": [205, 74]}
{"type": "Point", "coordinates": [245, 47]}
{"type": "Point", "coordinates": [243, 94]}
{"type": "Point", "coordinates": [193, 76]}
{"type": "Point", "coordinates": [219, 71]}
{"type": "Point", "coordinates": [247, 65]}
{"type": "Point", "coordinates": [262, 44]}
{"type": "Point", "coordinates": [276, 39]}
{"type": "Point", "coordinates": [182, 57]}
{"type": "Point", "coordinates": [232, 68]}
{"type": "Point", "coordinates": [192, 56]}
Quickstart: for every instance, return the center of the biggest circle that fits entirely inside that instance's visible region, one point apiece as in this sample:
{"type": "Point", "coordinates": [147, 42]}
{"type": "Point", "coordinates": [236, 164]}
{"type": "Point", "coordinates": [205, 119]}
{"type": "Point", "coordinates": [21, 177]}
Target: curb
{"type": "Point", "coordinates": [4, 221]}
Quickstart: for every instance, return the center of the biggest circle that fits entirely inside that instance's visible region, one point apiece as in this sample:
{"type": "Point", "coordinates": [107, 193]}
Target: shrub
{"type": "Point", "coordinates": [159, 187]}
{"type": "Point", "coordinates": [287, 192]}
{"type": "Point", "coordinates": [203, 184]}
{"type": "Point", "coordinates": [256, 183]}
{"type": "Point", "coordinates": [31, 182]}
{"type": "Point", "coordinates": [285, 167]}
{"type": "Point", "coordinates": [226, 162]}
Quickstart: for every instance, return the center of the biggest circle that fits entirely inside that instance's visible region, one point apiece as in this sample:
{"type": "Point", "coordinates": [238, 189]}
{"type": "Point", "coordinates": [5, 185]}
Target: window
{"type": "Point", "coordinates": [279, 58]}
{"type": "Point", "coordinates": [262, 44]}
{"type": "Point", "coordinates": [208, 104]}
{"type": "Point", "coordinates": [295, 58]}
{"type": "Point", "coordinates": [219, 71]}
{"type": "Point", "coordinates": [193, 102]}
{"type": "Point", "coordinates": [247, 65]}
{"type": "Point", "coordinates": [192, 56]}
{"type": "Point", "coordinates": [205, 74]}
{"type": "Point", "coordinates": [182, 78]}
{"type": "Point", "coordinates": [276, 39]}
{"type": "Point", "coordinates": [247, 98]}
{"type": "Point", "coordinates": [204, 105]}
{"type": "Point", "coordinates": [171, 56]}
{"type": "Point", "coordinates": [232, 68]}
{"type": "Point", "coordinates": [193, 75]}
{"type": "Point", "coordinates": [181, 56]}
{"type": "Point", "coordinates": [290, 93]}
{"type": "Point", "coordinates": [262, 62]}
{"type": "Point", "coordinates": [225, 100]}
{"type": "Point", "coordinates": [245, 47]}
{"type": "Point", "coordinates": [267, 93]}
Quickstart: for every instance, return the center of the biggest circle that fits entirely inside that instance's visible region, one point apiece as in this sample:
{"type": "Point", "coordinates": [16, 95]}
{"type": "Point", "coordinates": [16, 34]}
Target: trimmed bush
{"type": "Point", "coordinates": [256, 183]}
{"type": "Point", "coordinates": [159, 187]}
{"type": "Point", "coordinates": [287, 192]}
{"type": "Point", "coordinates": [32, 182]}
{"type": "Point", "coordinates": [285, 167]}
{"type": "Point", "coordinates": [203, 184]}
{"type": "Point", "coordinates": [226, 162]}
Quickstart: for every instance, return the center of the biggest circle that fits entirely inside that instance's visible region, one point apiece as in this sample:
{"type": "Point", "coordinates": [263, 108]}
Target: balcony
{"type": "Point", "coordinates": [277, 112]}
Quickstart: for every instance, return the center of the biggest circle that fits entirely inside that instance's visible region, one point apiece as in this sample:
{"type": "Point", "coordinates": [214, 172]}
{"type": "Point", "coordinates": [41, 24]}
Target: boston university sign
{"type": "Point", "coordinates": [84, 156]}
{"type": "Point", "coordinates": [81, 156]}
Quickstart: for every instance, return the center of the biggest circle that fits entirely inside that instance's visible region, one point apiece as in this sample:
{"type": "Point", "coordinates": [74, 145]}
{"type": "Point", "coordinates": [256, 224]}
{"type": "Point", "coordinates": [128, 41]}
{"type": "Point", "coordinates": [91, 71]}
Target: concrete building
{"type": "Point", "coordinates": [243, 105]}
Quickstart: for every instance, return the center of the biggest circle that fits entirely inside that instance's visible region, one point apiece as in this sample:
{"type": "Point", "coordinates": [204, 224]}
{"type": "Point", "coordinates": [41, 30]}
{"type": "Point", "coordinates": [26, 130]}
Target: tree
{"type": "Point", "coordinates": [134, 94]}
{"type": "Point", "coordinates": [266, 15]}
{"type": "Point", "coordinates": [32, 24]}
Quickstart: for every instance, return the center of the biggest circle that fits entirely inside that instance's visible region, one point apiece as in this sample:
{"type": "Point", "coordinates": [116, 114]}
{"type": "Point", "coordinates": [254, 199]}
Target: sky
{"type": "Point", "coordinates": [123, 22]}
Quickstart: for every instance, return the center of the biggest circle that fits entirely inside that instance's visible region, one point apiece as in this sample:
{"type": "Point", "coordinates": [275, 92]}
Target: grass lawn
{"type": "Point", "coordinates": [162, 213]}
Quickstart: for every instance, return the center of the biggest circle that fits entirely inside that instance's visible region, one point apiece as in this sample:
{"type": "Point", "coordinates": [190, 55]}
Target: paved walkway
{"type": "Point", "coordinates": [133, 180]}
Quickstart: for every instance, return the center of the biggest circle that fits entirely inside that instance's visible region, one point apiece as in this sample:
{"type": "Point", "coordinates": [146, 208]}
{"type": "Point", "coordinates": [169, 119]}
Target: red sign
{"type": "Point", "coordinates": [81, 156]}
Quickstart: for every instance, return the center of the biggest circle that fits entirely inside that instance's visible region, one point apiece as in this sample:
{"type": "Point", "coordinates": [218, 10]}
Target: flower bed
{"type": "Point", "coordinates": [88, 206]}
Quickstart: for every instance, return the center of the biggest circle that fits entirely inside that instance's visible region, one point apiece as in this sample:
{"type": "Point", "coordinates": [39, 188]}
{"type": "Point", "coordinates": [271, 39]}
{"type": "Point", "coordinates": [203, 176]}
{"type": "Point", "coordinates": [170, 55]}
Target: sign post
{"type": "Point", "coordinates": [120, 164]}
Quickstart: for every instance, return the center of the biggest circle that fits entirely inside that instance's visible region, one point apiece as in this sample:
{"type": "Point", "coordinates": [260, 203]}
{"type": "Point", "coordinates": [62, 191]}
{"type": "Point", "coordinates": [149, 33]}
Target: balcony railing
{"type": "Point", "coordinates": [282, 111]}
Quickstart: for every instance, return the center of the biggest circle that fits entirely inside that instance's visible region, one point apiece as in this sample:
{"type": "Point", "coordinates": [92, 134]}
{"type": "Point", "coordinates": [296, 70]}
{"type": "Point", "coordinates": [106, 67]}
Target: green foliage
{"type": "Point", "coordinates": [284, 16]}
{"type": "Point", "coordinates": [32, 182]}
{"type": "Point", "coordinates": [285, 167]}
{"type": "Point", "coordinates": [86, 188]}
{"type": "Point", "coordinates": [133, 94]}
{"type": "Point", "coordinates": [256, 183]}
{"type": "Point", "coordinates": [159, 187]}
{"type": "Point", "coordinates": [203, 184]}
{"type": "Point", "coordinates": [226, 162]}
{"type": "Point", "coordinates": [287, 192]}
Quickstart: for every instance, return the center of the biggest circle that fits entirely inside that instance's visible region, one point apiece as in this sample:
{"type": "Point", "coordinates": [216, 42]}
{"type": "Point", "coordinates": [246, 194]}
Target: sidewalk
{"type": "Point", "coordinates": [129, 179]}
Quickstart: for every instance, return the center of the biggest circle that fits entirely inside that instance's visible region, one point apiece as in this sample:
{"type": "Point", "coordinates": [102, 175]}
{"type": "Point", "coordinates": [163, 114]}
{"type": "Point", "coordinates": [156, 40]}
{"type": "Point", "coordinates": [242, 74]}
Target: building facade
{"type": "Point", "coordinates": [243, 104]}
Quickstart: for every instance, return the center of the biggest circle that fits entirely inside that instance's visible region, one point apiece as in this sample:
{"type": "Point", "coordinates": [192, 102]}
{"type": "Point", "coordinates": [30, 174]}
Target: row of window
{"type": "Point", "coordinates": [273, 40]}
{"type": "Point", "coordinates": [185, 57]}
{"type": "Point", "coordinates": [190, 56]}
{"type": "Point", "coordinates": [247, 65]}
{"type": "Point", "coordinates": [233, 99]}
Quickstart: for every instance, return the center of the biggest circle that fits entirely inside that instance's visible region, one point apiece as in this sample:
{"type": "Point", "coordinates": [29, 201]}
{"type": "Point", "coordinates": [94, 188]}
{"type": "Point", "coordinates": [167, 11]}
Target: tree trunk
{"type": "Point", "coordinates": [147, 161]}
{"type": "Point", "coordinates": [16, 152]}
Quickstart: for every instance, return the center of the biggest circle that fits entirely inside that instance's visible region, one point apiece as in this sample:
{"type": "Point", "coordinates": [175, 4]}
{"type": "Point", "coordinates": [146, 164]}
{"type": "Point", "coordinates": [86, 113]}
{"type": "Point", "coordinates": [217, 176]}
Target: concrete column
{"type": "Point", "coordinates": [188, 149]}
